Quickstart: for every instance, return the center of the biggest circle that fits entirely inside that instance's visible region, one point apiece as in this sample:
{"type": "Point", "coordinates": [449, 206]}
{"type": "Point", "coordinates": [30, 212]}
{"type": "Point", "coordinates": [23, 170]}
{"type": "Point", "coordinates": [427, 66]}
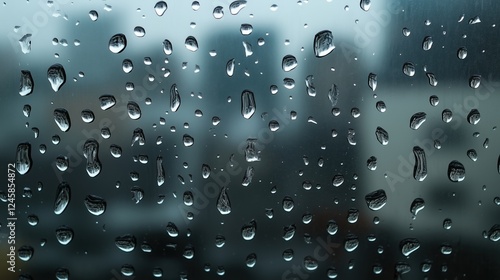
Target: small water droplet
{"type": "Point", "coordinates": [61, 117]}
{"type": "Point", "coordinates": [126, 242]}
{"type": "Point", "coordinates": [93, 15]}
{"type": "Point", "coordinates": [160, 8]}
{"type": "Point", "coordinates": [381, 107]}
{"type": "Point", "coordinates": [427, 43]}
{"type": "Point", "coordinates": [248, 48]}
{"type": "Point", "coordinates": [223, 202]}
{"type": "Point", "coordinates": [26, 83]}
{"type": "Point", "coordinates": [187, 140]}
{"type": "Point", "coordinates": [475, 81]}
{"type": "Point", "coordinates": [351, 243]}
{"type": "Point", "coordinates": [107, 101]}
{"type": "Point", "coordinates": [167, 47]}
{"type": "Point", "coordinates": [25, 253]}
{"type": "Point", "coordinates": [447, 223]}
{"type": "Point", "coordinates": [96, 205]}
{"type": "Point", "coordinates": [288, 204]}
{"type": "Point", "coordinates": [406, 31]}
{"type": "Point", "coordinates": [432, 79]}
{"type": "Point", "coordinates": [23, 158]}
{"type": "Point", "coordinates": [472, 154]}
{"type": "Point", "coordinates": [288, 255]}
{"type": "Point", "coordinates": [289, 63]}
{"type": "Point", "coordinates": [372, 81]}
{"type": "Point", "coordinates": [139, 31]}
{"type": "Point", "coordinates": [248, 230]}
{"type": "Point", "coordinates": [409, 69]}
{"type": "Point", "coordinates": [333, 95]}
{"type": "Point", "coordinates": [382, 136]}
{"type": "Point", "coordinates": [191, 43]}
{"type": "Point", "coordinates": [462, 53]}
{"type": "Point", "coordinates": [246, 29]}
{"type": "Point", "coordinates": [420, 168]}
{"type": "Point", "coordinates": [56, 76]}
{"type": "Point", "coordinates": [25, 43]}
{"type": "Point", "coordinates": [409, 246]}
{"type": "Point", "coordinates": [456, 171]}
{"type": "Point", "coordinates": [218, 12]}
{"type": "Point", "coordinates": [473, 117]}
{"type": "Point", "coordinates": [64, 235]}
{"type": "Point", "coordinates": [248, 105]}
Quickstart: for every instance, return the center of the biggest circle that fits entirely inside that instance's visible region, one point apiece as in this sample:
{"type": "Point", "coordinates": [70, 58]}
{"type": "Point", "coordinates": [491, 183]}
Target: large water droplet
{"type": "Point", "coordinates": [126, 242]}
{"type": "Point", "coordinates": [248, 105]}
{"type": "Point", "coordinates": [23, 158]}
{"type": "Point", "coordinates": [63, 196]}
{"type": "Point", "coordinates": [323, 43]}
{"type": "Point", "coordinates": [420, 168]}
{"type": "Point", "coordinates": [117, 43]}
{"type": "Point", "coordinates": [56, 76]}
{"type": "Point", "coordinates": [456, 171]}
{"type": "Point", "coordinates": [473, 117]}
{"type": "Point", "coordinates": [223, 203]}
{"type": "Point", "coordinates": [427, 43]}
{"type": "Point", "coordinates": [365, 5]}
{"type": "Point", "coordinates": [417, 205]}
{"type": "Point", "coordinates": [248, 230]}
{"type": "Point", "coordinates": [25, 253]}
{"type": "Point", "coordinates": [351, 243]}
{"type": "Point", "coordinates": [187, 140]}
{"type": "Point", "coordinates": [191, 43]}
{"type": "Point", "coordinates": [175, 98]}
{"type": "Point", "coordinates": [25, 43]}
{"type": "Point", "coordinates": [96, 205]}
{"type": "Point", "coordinates": [90, 151]}
{"type": "Point", "coordinates": [160, 8]}
{"type": "Point", "coordinates": [288, 63]}
{"type": "Point", "coordinates": [236, 6]}
{"type": "Point", "coordinates": [289, 232]}
{"type": "Point", "coordinates": [218, 12]}
{"type": "Point", "coordinates": [409, 69]}
{"type": "Point", "coordinates": [310, 263]}
{"type": "Point", "coordinates": [26, 83]}
{"type": "Point", "coordinates": [409, 246]}
{"type": "Point", "coordinates": [107, 101]}
{"type": "Point", "coordinates": [61, 117]}
{"type": "Point", "coordinates": [417, 120]}
{"type": "Point", "coordinates": [382, 136]}
{"type": "Point", "coordinates": [376, 199]}
{"type": "Point", "coordinates": [134, 112]}
{"type": "Point", "coordinates": [64, 235]}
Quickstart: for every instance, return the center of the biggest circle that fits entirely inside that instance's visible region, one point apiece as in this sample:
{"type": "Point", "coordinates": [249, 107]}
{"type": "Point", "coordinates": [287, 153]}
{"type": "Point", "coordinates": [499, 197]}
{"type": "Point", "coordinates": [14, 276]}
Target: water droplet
{"type": "Point", "coordinates": [139, 31]}
{"type": "Point", "coordinates": [289, 83]}
{"type": "Point", "coordinates": [333, 95]}
{"type": "Point", "coordinates": [447, 115]}
{"type": "Point", "coordinates": [191, 43]}
{"type": "Point", "coordinates": [456, 171]}
{"type": "Point", "coordinates": [351, 243]}
{"type": "Point", "coordinates": [247, 178]}
{"type": "Point", "coordinates": [372, 81]}
{"type": "Point", "coordinates": [126, 242]}
{"type": "Point", "coordinates": [230, 67]}
{"type": "Point", "coordinates": [417, 205]}
{"type": "Point", "coordinates": [64, 235]}
{"type": "Point", "coordinates": [26, 83]}
{"type": "Point", "coordinates": [160, 8]}
{"type": "Point", "coordinates": [62, 274]}
{"type": "Point", "coordinates": [274, 125]}
{"type": "Point", "coordinates": [332, 227]}
{"type": "Point", "coordinates": [218, 12]}
{"type": "Point", "coordinates": [417, 120]}
{"type": "Point", "coordinates": [420, 168]}
{"type": "Point", "coordinates": [427, 43]}
{"type": "Point", "coordinates": [117, 43]}
{"type": "Point", "coordinates": [248, 48]}
{"type": "Point", "coordinates": [127, 65]}
{"type": "Point", "coordinates": [93, 15]}
{"type": "Point", "coordinates": [26, 110]}
{"type": "Point", "coordinates": [62, 163]}
{"type": "Point", "coordinates": [352, 216]}
{"type": "Point", "coordinates": [251, 260]}
{"type": "Point", "coordinates": [187, 140]}
{"type": "Point", "coordinates": [434, 100]}
{"type": "Point", "coordinates": [33, 220]}
{"type": "Point", "coordinates": [248, 230]}
{"type": "Point", "coordinates": [371, 163]}
{"type": "Point", "coordinates": [474, 20]}
{"type": "Point", "coordinates": [380, 105]}
{"type": "Point", "coordinates": [107, 101]}
{"type": "Point", "coordinates": [246, 29]}
{"type": "Point", "coordinates": [494, 233]}
{"type": "Point", "coordinates": [310, 263]}
{"type": "Point", "coordinates": [96, 205]}
{"type": "Point", "coordinates": [223, 202]}
{"type": "Point", "coordinates": [350, 136]}
{"type": "Point", "coordinates": [288, 232]}
{"type": "Point", "coordinates": [25, 253]}
{"type": "Point", "coordinates": [167, 47]}
{"type": "Point", "coordinates": [116, 151]}
{"type": "Point", "coordinates": [56, 76]}
{"type": "Point", "coordinates": [472, 154]}
{"type": "Point", "coordinates": [25, 43]}
{"type": "Point", "coordinates": [248, 105]}
{"type": "Point", "coordinates": [365, 5]}
{"type": "Point", "coordinates": [138, 136]}
{"type": "Point", "coordinates": [475, 81]}
{"type": "Point", "coordinates": [61, 117]}
{"type": "Point", "coordinates": [409, 246]}
{"type": "Point", "coordinates": [287, 255]}
{"type": "Point", "coordinates": [188, 198]}
{"type": "Point", "coordinates": [134, 112]}
{"type": "Point", "coordinates": [288, 63]}
{"type": "Point", "coordinates": [90, 151]}
{"type": "Point", "coordinates": [23, 158]}
{"type": "Point", "coordinates": [160, 171]}
{"type": "Point", "coordinates": [446, 249]}
{"type": "Point", "coordinates": [382, 136]}
{"type": "Point", "coordinates": [474, 116]}
{"type": "Point", "coordinates": [406, 31]}
{"type": "Point", "coordinates": [462, 53]}
{"type": "Point", "coordinates": [127, 270]}
{"type": "Point", "coordinates": [236, 6]}
{"type": "Point", "coordinates": [172, 230]}
{"type": "Point", "coordinates": [288, 204]}
{"type": "Point", "coordinates": [447, 223]}
{"type": "Point", "coordinates": [432, 79]}
{"type": "Point", "coordinates": [409, 69]}
{"type": "Point", "coordinates": [337, 180]}
{"type": "Point", "coordinates": [323, 43]}
{"type": "Point", "coordinates": [376, 199]}
{"type": "Point", "coordinates": [63, 196]}
{"type": "Point", "coordinates": [426, 266]}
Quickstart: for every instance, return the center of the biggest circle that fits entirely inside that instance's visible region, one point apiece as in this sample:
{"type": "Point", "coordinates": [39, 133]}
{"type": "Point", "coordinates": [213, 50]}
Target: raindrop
{"type": "Point", "coordinates": [127, 270]}
{"type": "Point", "coordinates": [406, 32]}
{"type": "Point", "coordinates": [474, 116]}
{"type": "Point", "coordinates": [230, 67]}
{"type": "Point", "coordinates": [248, 48]}
{"type": "Point", "coordinates": [307, 218]}
{"type": "Point", "coordinates": [25, 43]}
{"type": "Point", "coordinates": [187, 198]}
{"type": "Point", "coordinates": [87, 116]}
{"type": "Point", "coordinates": [333, 95]}
{"type": "Point", "coordinates": [191, 43]}
{"type": "Point", "coordinates": [246, 29]}
{"type": "Point", "coordinates": [127, 65]}
{"type": "Point", "coordinates": [218, 12]}
{"type": "Point", "coordinates": [61, 117]}
{"type": "Point", "coordinates": [236, 6]}
{"type": "Point", "coordinates": [172, 230]}
{"type": "Point", "coordinates": [274, 125]}
{"type": "Point", "coordinates": [167, 47]}
{"type": "Point", "coordinates": [434, 100]}
{"type": "Point", "coordinates": [26, 110]}
{"type": "Point", "coordinates": [337, 180]}
{"type": "Point", "coordinates": [475, 81]}
{"type": "Point", "coordinates": [447, 223]}
{"type": "Point", "coordinates": [409, 69]}
{"type": "Point", "coordinates": [223, 202]}
{"type": "Point", "coordinates": [247, 104]}
{"type": "Point", "coordinates": [107, 101]}
{"type": "Point", "coordinates": [251, 260]}
{"type": "Point", "coordinates": [33, 220]}
{"type": "Point", "coordinates": [220, 241]}
{"type": "Point", "coordinates": [472, 154]}
{"type": "Point", "coordinates": [288, 232]}
{"type": "Point", "coordinates": [371, 163]}
{"type": "Point", "coordinates": [134, 112]}
{"type": "Point", "coordinates": [62, 274]}
{"type": "Point", "coordinates": [116, 151]}
{"type": "Point", "coordinates": [288, 204]}
{"type": "Point", "coordinates": [446, 249]}
{"type": "Point", "coordinates": [381, 107]}
{"type": "Point", "coordinates": [372, 81]}
{"type": "Point", "coordinates": [350, 136]}
{"type": "Point", "coordinates": [447, 115]}
{"type": "Point", "coordinates": [427, 43]}
{"type": "Point", "coordinates": [310, 263]}
{"type": "Point", "coordinates": [417, 205]}
{"type": "Point", "coordinates": [417, 120]}
{"type": "Point", "coordinates": [420, 168]}
{"type": "Point", "coordinates": [432, 79]}
{"type": "Point", "coordinates": [365, 5]}
{"type": "Point", "coordinates": [93, 15]}
{"type": "Point", "coordinates": [160, 171]}
{"type": "Point", "coordinates": [462, 53]}
{"type": "Point", "coordinates": [351, 243]}
{"type": "Point", "coordinates": [426, 266]}
{"type": "Point", "coordinates": [63, 196]}
{"type": "Point", "coordinates": [247, 178]}
{"type": "Point", "coordinates": [90, 151]}
{"type": "Point", "coordinates": [95, 205]}
{"type": "Point", "coordinates": [456, 171]}
{"type": "Point", "coordinates": [23, 158]}
{"type": "Point", "coordinates": [56, 76]}
{"type": "Point", "coordinates": [323, 43]}
{"type": "Point", "coordinates": [332, 227]}
{"type": "Point", "coordinates": [25, 253]}
{"type": "Point", "coordinates": [288, 63]}
{"type": "Point", "coordinates": [175, 98]}
{"type": "Point", "coordinates": [376, 199]}
{"type": "Point", "coordinates": [409, 246]}
{"type": "Point", "coordinates": [126, 242]}
{"type": "Point", "coordinates": [187, 140]}
{"type": "Point", "coordinates": [117, 43]}
{"type": "Point", "coordinates": [494, 233]}
{"type": "Point", "coordinates": [138, 136]}
{"type": "Point", "coordinates": [352, 216]}
{"type": "Point", "coordinates": [474, 20]}
{"type": "Point", "coordinates": [26, 83]}
{"type": "Point", "coordinates": [160, 8]}
{"type": "Point", "coordinates": [195, 5]}
{"type": "Point", "coordinates": [139, 31]}
{"type": "Point", "coordinates": [248, 230]}
{"type": "Point", "coordinates": [287, 255]}
{"type": "Point", "coordinates": [64, 235]}
{"type": "Point", "coordinates": [289, 83]}
{"type": "Point", "coordinates": [62, 163]}
{"type": "Point", "coordinates": [382, 136]}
